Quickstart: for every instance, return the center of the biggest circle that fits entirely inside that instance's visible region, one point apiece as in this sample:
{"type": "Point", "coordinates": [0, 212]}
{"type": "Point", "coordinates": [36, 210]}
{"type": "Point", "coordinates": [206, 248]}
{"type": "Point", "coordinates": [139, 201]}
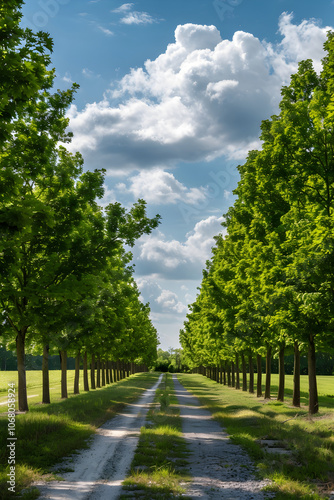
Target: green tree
{"type": "Point", "coordinates": [53, 233]}
{"type": "Point", "coordinates": [24, 59]}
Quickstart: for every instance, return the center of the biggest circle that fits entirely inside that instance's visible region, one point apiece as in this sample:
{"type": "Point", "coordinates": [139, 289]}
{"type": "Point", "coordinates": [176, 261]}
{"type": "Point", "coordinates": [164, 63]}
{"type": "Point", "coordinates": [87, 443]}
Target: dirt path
{"type": "Point", "coordinates": [221, 470]}
{"type": "Point", "coordinates": [99, 471]}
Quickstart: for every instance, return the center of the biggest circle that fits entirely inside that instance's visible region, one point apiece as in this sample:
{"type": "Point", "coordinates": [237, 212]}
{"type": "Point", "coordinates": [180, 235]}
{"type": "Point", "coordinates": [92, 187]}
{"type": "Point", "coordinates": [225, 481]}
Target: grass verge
{"type": "Point", "coordinates": [47, 433]}
{"type": "Point", "coordinates": [307, 472]}
{"type": "Point", "coordinates": [158, 470]}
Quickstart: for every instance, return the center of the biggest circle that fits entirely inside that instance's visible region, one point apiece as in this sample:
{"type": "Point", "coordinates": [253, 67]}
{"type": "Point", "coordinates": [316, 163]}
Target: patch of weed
{"type": "Point", "coordinates": [158, 470]}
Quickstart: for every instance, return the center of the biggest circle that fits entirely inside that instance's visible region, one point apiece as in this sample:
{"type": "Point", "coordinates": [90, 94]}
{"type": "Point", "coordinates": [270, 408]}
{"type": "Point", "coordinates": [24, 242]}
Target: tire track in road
{"type": "Point", "coordinates": [220, 469]}
{"type": "Point", "coordinates": [100, 470]}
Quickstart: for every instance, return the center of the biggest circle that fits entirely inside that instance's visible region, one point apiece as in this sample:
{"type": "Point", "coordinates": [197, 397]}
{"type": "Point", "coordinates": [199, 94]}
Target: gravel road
{"type": "Point", "coordinates": [221, 470]}
{"type": "Point", "coordinates": [98, 471]}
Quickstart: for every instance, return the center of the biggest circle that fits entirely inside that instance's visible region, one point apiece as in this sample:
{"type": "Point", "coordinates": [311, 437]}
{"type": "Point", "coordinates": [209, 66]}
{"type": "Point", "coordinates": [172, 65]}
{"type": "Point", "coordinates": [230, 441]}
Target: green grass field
{"type": "Point", "coordinates": [34, 385]}
{"type": "Point", "coordinates": [325, 389]}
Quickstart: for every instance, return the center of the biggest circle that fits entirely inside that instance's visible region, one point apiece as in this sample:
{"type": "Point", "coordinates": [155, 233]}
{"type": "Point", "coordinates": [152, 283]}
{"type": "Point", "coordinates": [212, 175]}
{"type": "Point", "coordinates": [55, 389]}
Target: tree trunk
{"type": "Point", "coordinates": [63, 357]}
{"type": "Point", "coordinates": [281, 371]}
{"type": "Point", "coordinates": [268, 373]}
{"type": "Point", "coordinates": [98, 372]}
{"type": "Point", "coordinates": [228, 373]}
{"type": "Point", "coordinates": [251, 374]}
{"type": "Point", "coordinates": [233, 374]}
{"type": "Point", "coordinates": [103, 366]}
{"type": "Point", "coordinates": [237, 371]}
{"type": "Point", "coordinates": [107, 373]}
{"type": "Point", "coordinates": [77, 374]}
{"type": "Point", "coordinates": [244, 373]}
{"type": "Point", "coordinates": [92, 372]}
{"type": "Point", "coordinates": [312, 377]}
{"type": "Point", "coordinates": [21, 370]}
{"type": "Point", "coordinates": [296, 376]}
{"type": "Point", "coordinates": [220, 372]}
{"type": "Point", "coordinates": [259, 376]}
{"type": "Point", "coordinates": [45, 375]}
{"type": "Point", "coordinates": [112, 376]}
{"type": "Point", "coordinates": [224, 373]}
{"type": "Point", "coordinates": [85, 372]}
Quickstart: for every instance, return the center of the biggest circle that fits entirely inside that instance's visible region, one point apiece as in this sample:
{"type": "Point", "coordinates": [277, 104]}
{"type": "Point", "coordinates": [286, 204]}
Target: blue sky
{"type": "Point", "coordinates": [171, 98]}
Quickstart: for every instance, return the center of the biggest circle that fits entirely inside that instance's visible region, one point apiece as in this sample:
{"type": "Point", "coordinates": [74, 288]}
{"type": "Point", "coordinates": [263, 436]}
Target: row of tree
{"type": "Point", "coordinates": [269, 287]}
{"type": "Point", "coordinates": [65, 278]}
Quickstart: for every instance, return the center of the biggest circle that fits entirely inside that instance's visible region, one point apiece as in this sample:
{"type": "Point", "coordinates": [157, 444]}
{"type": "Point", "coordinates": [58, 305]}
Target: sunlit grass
{"type": "Point", "coordinates": [34, 385]}
{"type": "Point", "coordinates": [308, 471]}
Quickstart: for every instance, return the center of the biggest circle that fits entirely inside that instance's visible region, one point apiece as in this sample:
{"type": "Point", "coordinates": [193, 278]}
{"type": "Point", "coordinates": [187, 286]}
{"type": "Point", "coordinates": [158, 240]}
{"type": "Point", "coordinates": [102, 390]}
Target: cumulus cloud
{"type": "Point", "coordinates": [161, 300]}
{"type": "Point", "coordinates": [202, 98]}
{"type": "Point", "coordinates": [174, 259]}
{"type": "Point", "coordinates": [304, 41]}
{"type": "Point", "coordinates": [160, 187]}
{"type": "Point", "coordinates": [169, 300]}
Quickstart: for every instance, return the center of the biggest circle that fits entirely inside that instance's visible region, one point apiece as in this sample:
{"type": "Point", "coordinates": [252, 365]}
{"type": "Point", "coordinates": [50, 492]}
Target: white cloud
{"type": "Point", "coordinates": [123, 8]}
{"type": "Point", "coordinates": [108, 197]}
{"type": "Point", "coordinates": [138, 18]}
{"type": "Point", "coordinates": [161, 300]}
{"type": "Point", "coordinates": [304, 41]}
{"type": "Point", "coordinates": [169, 300]}
{"type": "Point", "coordinates": [106, 31]}
{"type": "Point", "coordinates": [67, 78]}
{"type": "Point", "coordinates": [160, 187]}
{"type": "Point", "coordinates": [89, 74]}
{"type": "Point", "coordinates": [202, 98]}
{"type": "Point", "coordinates": [132, 16]}
{"type": "Point", "coordinates": [175, 259]}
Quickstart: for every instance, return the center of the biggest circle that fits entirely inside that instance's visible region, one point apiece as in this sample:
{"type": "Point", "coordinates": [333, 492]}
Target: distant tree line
{"type": "Point", "coordinates": [269, 288]}
{"type": "Point", "coordinates": [171, 361]}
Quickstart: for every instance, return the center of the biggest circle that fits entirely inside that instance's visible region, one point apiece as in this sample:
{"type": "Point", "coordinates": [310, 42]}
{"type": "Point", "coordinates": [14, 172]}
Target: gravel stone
{"type": "Point", "coordinates": [221, 470]}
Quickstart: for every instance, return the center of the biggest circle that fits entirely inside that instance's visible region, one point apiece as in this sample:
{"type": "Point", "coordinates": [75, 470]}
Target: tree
{"type": "Point", "coordinates": [53, 233]}
{"type": "Point", "coordinates": [278, 278]}
{"type": "Point", "coordinates": [24, 58]}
